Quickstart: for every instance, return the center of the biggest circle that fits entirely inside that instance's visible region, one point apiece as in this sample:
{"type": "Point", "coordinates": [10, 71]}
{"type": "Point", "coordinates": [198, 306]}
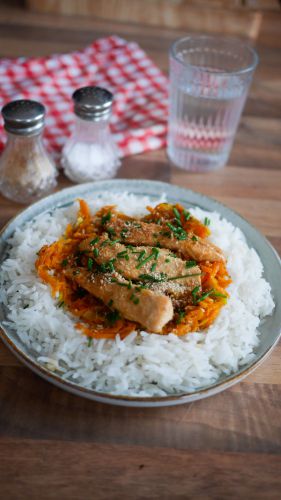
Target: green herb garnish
{"type": "Point", "coordinates": [181, 315]}
{"type": "Point", "coordinates": [96, 252]}
{"type": "Point", "coordinates": [141, 254]}
{"type": "Point", "coordinates": [115, 280]}
{"type": "Point", "coordinates": [204, 296]}
{"type": "Point", "coordinates": [190, 263]}
{"type": "Point", "coordinates": [134, 299]}
{"type": "Point", "coordinates": [123, 233]}
{"type": "Point", "coordinates": [90, 341]}
{"type": "Point", "coordinates": [154, 255]}
{"type": "Point", "coordinates": [177, 214]}
{"type": "Point", "coordinates": [194, 238]}
{"type": "Point", "coordinates": [153, 267]}
{"type": "Point", "coordinates": [111, 231]}
{"type": "Point", "coordinates": [207, 221]}
{"type": "Point", "coordinates": [90, 263]}
{"type": "Point", "coordinates": [113, 242]}
{"type": "Point", "coordinates": [194, 293]}
{"type": "Point", "coordinates": [186, 214]}
{"type": "Point", "coordinates": [112, 317]}
{"type": "Point", "coordinates": [110, 303]}
{"type": "Point", "coordinates": [218, 294]}
{"type": "Point", "coordinates": [94, 241]}
{"type": "Point", "coordinates": [64, 262]}
{"type": "Point", "coordinates": [179, 232]}
{"type": "Point", "coordinates": [61, 303]}
{"type": "Point", "coordinates": [105, 218]}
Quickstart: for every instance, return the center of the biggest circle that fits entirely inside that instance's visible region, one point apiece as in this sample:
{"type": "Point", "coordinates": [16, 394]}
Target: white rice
{"type": "Point", "coordinates": [145, 364]}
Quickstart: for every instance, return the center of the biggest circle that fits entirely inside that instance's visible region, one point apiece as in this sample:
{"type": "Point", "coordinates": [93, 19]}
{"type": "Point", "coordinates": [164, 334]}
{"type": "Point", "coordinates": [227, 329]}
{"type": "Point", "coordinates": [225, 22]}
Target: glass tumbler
{"type": "Point", "coordinates": [209, 81]}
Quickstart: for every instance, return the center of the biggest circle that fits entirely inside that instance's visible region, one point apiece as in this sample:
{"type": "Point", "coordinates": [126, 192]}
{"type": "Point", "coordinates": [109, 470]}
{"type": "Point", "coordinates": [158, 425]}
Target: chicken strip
{"type": "Point", "coordinates": [138, 304]}
{"type": "Point", "coordinates": [133, 262]}
{"type": "Point", "coordinates": [142, 233]}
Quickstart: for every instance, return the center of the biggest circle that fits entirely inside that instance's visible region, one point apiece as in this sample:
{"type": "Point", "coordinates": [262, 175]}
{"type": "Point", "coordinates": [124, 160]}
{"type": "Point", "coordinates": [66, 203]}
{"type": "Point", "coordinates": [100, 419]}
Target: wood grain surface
{"type": "Point", "coordinates": [57, 446]}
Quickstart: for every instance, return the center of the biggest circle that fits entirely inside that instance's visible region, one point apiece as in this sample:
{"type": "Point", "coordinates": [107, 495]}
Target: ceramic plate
{"type": "Point", "coordinates": [270, 328]}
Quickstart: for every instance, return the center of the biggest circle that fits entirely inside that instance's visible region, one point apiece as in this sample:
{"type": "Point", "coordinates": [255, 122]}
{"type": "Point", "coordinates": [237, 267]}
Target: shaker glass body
{"type": "Point", "coordinates": [90, 153]}
{"type": "Point", "coordinates": [26, 171]}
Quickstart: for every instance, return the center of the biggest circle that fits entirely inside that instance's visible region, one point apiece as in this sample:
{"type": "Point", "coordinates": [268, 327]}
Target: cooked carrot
{"type": "Point", "coordinates": [93, 314]}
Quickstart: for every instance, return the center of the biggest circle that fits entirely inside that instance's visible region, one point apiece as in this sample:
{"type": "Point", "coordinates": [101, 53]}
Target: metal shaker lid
{"type": "Point", "coordinates": [23, 117]}
{"type": "Point", "coordinates": [92, 103]}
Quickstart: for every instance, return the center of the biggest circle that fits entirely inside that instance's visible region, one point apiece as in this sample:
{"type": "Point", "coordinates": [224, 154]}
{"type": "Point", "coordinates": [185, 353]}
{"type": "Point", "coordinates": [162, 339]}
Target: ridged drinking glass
{"type": "Point", "coordinates": [209, 82]}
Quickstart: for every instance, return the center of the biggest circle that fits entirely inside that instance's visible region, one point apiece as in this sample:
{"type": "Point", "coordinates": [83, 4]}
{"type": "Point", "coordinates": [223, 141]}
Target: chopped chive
{"type": "Point", "coordinates": [186, 214]}
{"type": "Point", "coordinates": [179, 232]}
{"type": "Point", "coordinates": [156, 252]}
{"type": "Point", "coordinates": [149, 277]}
{"type": "Point", "coordinates": [194, 293]}
{"type": "Point", "coordinates": [183, 276]}
{"type": "Point", "coordinates": [167, 261]}
{"type": "Point", "coordinates": [105, 242]}
{"type": "Point", "coordinates": [90, 263]}
{"type": "Point", "coordinates": [112, 317]}
{"type": "Point", "coordinates": [190, 263]}
{"type": "Point", "coordinates": [153, 267]}
{"type": "Point", "coordinates": [181, 315]}
{"type": "Point", "coordinates": [141, 255]}
{"type": "Point", "coordinates": [61, 303]}
{"type": "Point", "coordinates": [90, 341]}
{"type": "Point", "coordinates": [64, 262]}
{"type": "Point", "coordinates": [154, 255]}
{"type": "Point", "coordinates": [121, 254]}
{"type": "Point", "coordinates": [177, 214]}
{"type": "Point", "coordinates": [130, 286]}
{"type": "Point", "coordinates": [166, 233]}
{"type": "Point", "coordinates": [218, 294]}
{"type": "Point", "coordinates": [105, 218]}
{"type": "Point", "coordinates": [113, 242]}
{"type": "Point", "coordinates": [194, 238]}
{"type": "Point", "coordinates": [204, 296]}
{"type": "Point", "coordinates": [110, 303]}
{"type": "Point", "coordinates": [207, 221]}
{"type": "Point", "coordinates": [115, 280]}
{"type": "Point", "coordinates": [96, 252]}
{"type": "Point", "coordinates": [94, 241]}
{"type": "Point", "coordinates": [172, 227]}
{"type": "Point", "coordinates": [134, 299]}
{"type": "Point", "coordinates": [111, 231]}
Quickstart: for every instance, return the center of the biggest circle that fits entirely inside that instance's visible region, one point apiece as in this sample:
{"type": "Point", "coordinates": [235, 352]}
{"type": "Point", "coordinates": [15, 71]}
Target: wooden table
{"type": "Point", "coordinates": [57, 446]}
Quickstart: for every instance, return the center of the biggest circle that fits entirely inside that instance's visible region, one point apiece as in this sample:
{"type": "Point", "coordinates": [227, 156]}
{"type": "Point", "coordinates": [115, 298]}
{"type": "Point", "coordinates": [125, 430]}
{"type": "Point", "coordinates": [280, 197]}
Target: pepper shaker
{"type": "Point", "coordinates": [26, 171]}
{"type": "Point", "coordinates": [90, 153]}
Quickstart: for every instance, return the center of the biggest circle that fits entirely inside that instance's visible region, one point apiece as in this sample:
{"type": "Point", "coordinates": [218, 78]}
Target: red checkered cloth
{"type": "Point", "coordinates": [139, 118]}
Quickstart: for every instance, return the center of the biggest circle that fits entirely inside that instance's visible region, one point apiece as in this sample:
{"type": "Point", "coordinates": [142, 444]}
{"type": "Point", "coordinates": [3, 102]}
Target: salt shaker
{"type": "Point", "coordinates": [26, 171]}
{"type": "Point", "coordinates": [90, 153]}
